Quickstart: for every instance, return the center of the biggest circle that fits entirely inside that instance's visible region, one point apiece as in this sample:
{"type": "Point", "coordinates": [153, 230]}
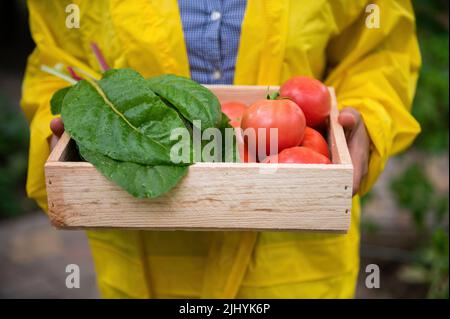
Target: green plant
{"type": "Point", "coordinates": [431, 104]}
{"type": "Point", "coordinates": [13, 161]}
{"type": "Point", "coordinates": [414, 192]}
{"type": "Point", "coordinates": [412, 189]}
{"type": "Point", "coordinates": [435, 257]}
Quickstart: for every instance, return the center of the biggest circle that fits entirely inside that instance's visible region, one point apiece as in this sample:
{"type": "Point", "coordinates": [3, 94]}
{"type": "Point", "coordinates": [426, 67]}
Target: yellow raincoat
{"type": "Point", "coordinates": [373, 69]}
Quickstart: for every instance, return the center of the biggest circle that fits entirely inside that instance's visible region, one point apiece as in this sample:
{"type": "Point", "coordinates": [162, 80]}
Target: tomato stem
{"type": "Point", "coordinates": [74, 75]}
{"type": "Point", "coordinates": [273, 95]}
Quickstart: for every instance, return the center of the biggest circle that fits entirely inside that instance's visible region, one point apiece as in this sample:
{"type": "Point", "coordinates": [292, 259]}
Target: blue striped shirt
{"type": "Point", "coordinates": [212, 30]}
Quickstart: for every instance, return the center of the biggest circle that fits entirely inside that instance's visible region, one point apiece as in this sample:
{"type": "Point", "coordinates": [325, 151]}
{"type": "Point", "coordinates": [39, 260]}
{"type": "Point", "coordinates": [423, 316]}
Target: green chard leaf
{"type": "Point", "coordinates": [57, 99]}
{"type": "Point", "coordinates": [124, 128]}
{"type": "Point", "coordinates": [122, 124]}
{"type": "Point", "coordinates": [192, 100]}
{"type": "Point", "coordinates": [141, 106]}
{"type": "Point", "coordinates": [137, 179]}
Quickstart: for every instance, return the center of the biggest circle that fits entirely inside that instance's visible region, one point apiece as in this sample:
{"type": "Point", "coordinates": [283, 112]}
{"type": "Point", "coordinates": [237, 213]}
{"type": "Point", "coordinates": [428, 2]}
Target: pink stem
{"type": "Point", "coordinates": [99, 56]}
{"type": "Point", "coordinates": [57, 73]}
{"type": "Point", "coordinates": [74, 74]}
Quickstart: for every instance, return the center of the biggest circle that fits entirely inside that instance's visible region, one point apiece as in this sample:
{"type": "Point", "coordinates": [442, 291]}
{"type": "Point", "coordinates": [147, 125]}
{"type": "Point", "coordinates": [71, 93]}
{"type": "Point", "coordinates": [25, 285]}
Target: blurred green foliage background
{"type": "Point", "coordinates": [14, 136]}
{"type": "Point", "coordinates": [431, 101]}
{"type": "Point", "coordinates": [412, 189]}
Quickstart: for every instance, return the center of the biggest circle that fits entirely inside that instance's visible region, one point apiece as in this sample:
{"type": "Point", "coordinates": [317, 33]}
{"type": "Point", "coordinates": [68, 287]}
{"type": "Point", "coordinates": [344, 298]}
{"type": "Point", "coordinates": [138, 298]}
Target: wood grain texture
{"type": "Point", "coordinates": [61, 151]}
{"type": "Point", "coordinates": [228, 196]}
{"type": "Point", "coordinates": [247, 94]}
{"type": "Point", "coordinates": [213, 196]}
{"type": "Point", "coordinates": [336, 136]}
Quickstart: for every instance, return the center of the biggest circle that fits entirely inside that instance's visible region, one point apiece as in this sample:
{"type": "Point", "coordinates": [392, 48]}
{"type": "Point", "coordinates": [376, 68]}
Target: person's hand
{"type": "Point", "coordinates": [358, 142]}
{"type": "Point", "coordinates": [57, 127]}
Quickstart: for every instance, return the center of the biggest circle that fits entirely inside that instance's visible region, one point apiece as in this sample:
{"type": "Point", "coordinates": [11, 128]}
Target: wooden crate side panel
{"type": "Point", "coordinates": [336, 137]}
{"type": "Point", "coordinates": [221, 197]}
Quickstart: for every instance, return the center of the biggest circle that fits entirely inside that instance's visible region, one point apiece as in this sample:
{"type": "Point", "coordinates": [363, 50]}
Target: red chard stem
{"type": "Point", "coordinates": [99, 56]}
{"type": "Point", "coordinates": [74, 75]}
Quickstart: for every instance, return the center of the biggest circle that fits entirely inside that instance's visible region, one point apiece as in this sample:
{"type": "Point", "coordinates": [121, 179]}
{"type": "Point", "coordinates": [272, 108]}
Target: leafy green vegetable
{"type": "Point", "coordinates": [137, 179]}
{"type": "Point", "coordinates": [124, 128]}
{"type": "Point", "coordinates": [130, 94]}
{"type": "Point", "coordinates": [100, 125]}
{"type": "Point", "coordinates": [57, 100]}
{"type": "Point", "coordinates": [192, 100]}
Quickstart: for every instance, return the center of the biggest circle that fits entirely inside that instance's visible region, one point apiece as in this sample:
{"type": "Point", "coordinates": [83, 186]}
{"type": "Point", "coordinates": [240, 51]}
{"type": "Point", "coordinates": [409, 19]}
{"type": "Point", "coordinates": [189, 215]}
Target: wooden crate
{"type": "Point", "coordinates": [212, 196]}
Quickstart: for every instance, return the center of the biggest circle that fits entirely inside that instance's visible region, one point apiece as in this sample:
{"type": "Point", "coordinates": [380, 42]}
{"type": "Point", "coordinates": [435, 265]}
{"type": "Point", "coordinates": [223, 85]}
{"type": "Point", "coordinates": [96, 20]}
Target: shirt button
{"type": "Point", "coordinates": [217, 75]}
{"type": "Point", "coordinates": [215, 15]}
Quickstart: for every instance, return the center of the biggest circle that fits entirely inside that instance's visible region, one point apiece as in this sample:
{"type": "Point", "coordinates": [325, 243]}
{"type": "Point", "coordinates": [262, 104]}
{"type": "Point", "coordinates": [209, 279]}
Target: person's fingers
{"type": "Point", "coordinates": [358, 146]}
{"type": "Point", "coordinates": [357, 159]}
{"type": "Point", "coordinates": [347, 120]}
{"type": "Point", "coordinates": [53, 141]}
{"type": "Point", "coordinates": [350, 120]}
{"type": "Point", "coordinates": [357, 142]}
{"type": "Point", "coordinates": [57, 126]}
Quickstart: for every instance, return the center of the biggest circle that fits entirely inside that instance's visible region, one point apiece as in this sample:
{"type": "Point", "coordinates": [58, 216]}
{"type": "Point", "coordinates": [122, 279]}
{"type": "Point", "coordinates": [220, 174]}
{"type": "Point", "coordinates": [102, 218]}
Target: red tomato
{"type": "Point", "coordinates": [283, 115]}
{"type": "Point", "coordinates": [298, 154]}
{"type": "Point", "coordinates": [245, 155]}
{"type": "Point", "coordinates": [311, 96]}
{"type": "Point", "coordinates": [234, 111]}
{"type": "Point", "coordinates": [315, 141]}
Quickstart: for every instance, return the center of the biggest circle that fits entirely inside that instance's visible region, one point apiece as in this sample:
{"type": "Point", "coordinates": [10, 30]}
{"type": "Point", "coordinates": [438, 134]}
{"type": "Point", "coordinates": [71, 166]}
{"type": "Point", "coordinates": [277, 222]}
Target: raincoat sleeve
{"type": "Point", "coordinates": [374, 69]}
{"type": "Point", "coordinates": [38, 87]}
